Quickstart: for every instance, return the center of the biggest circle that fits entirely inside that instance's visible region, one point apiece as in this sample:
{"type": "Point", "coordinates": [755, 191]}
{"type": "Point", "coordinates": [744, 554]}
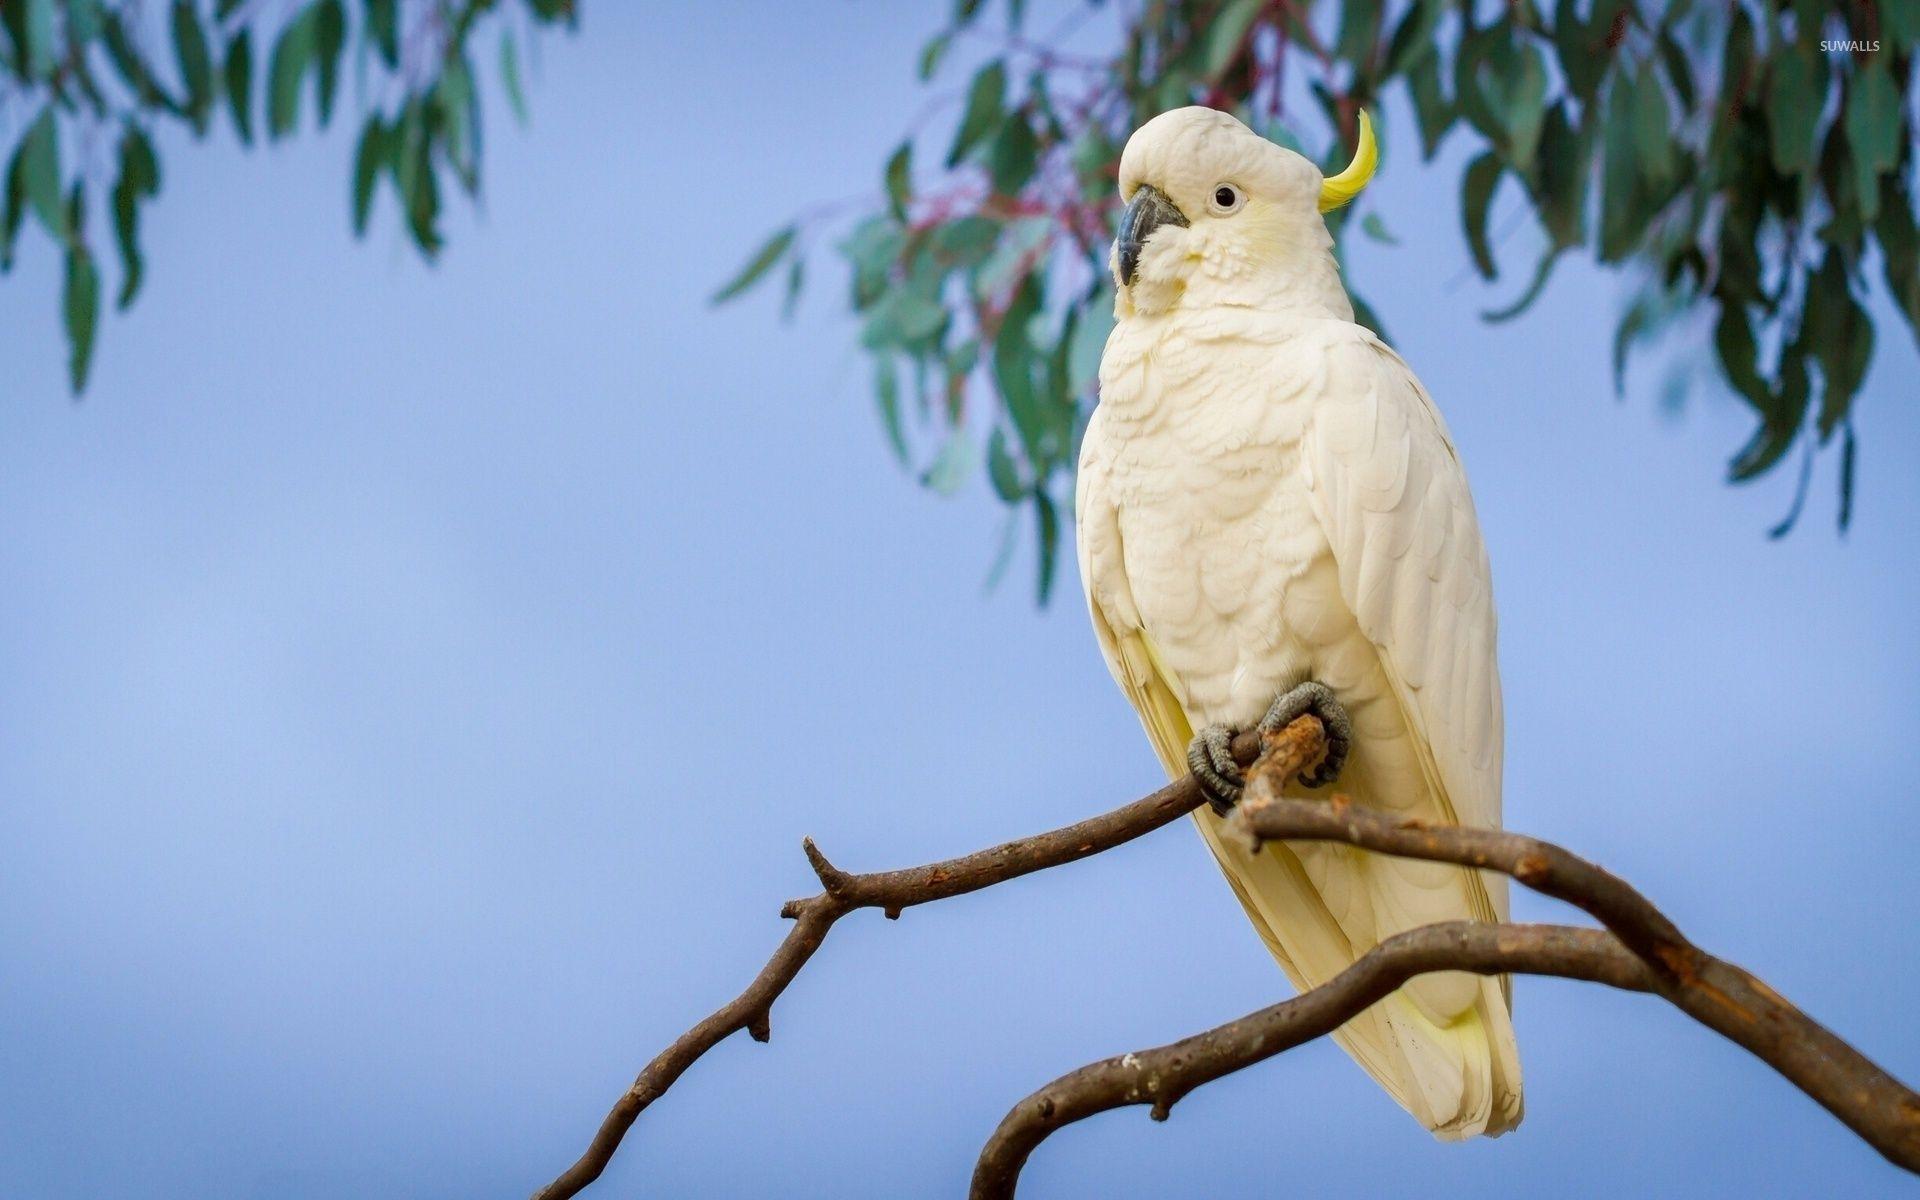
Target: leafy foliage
{"type": "Point", "coordinates": [1742, 170]}
{"type": "Point", "coordinates": [80, 75]}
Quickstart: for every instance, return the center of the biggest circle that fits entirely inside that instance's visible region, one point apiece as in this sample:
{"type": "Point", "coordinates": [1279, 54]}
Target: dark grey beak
{"type": "Point", "coordinates": [1147, 211]}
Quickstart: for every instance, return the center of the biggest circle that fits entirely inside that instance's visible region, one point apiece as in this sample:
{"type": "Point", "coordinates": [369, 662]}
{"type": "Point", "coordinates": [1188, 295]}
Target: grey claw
{"type": "Point", "coordinates": [1210, 758]}
{"type": "Point", "coordinates": [1318, 699]}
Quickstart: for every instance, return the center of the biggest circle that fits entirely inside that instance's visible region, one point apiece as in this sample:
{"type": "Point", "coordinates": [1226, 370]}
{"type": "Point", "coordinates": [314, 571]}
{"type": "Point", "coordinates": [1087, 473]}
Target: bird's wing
{"type": "Point", "coordinates": [1130, 655]}
{"type": "Point", "coordinates": [1273, 887]}
{"type": "Point", "coordinates": [1388, 489]}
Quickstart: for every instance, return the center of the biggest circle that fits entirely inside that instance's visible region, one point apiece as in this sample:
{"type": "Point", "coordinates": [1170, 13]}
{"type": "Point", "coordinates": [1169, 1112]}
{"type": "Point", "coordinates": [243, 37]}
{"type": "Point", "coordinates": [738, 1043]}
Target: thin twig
{"type": "Point", "coordinates": [1296, 748]}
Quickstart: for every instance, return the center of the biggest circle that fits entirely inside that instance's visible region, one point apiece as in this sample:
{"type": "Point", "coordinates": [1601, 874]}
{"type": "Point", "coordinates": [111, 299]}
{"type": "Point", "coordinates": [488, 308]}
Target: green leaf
{"type": "Point", "coordinates": [953, 465]}
{"type": "Point", "coordinates": [1873, 121]}
{"type": "Point", "coordinates": [1413, 38]}
{"type": "Point", "coordinates": [886, 389]}
{"type": "Point", "coordinates": [1559, 180]}
{"type": "Point", "coordinates": [796, 280]}
{"type": "Point", "coordinates": [383, 28]}
{"type": "Point", "coordinates": [1542, 271]}
{"type": "Point", "coordinates": [139, 177]}
{"type": "Point", "coordinates": [413, 172]}
{"type": "Point", "coordinates": [1375, 228]}
{"type": "Point", "coordinates": [932, 53]}
{"type": "Point", "coordinates": [1584, 55]}
{"type": "Point", "coordinates": [510, 76]}
{"type": "Point", "coordinates": [1621, 223]}
{"type": "Point", "coordinates": [1633, 323]}
{"type": "Point", "coordinates": [292, 56]}
{"type": "Point", "coordinates": [1225, 35]}
{"type": "Point", "coordinates": [1523, 105]}
{"type": "Point", "coordinates": [329, 39]}
{"type": "Point", "coordinates": [239, 79]}
{"type": "Point", "coordinates": [454, 96]}
{"type": "Point", "coordinates": [80, 310]}
{"type": "Point", "coordinates": [1900, 249]}
{"type": "Point", "coordinates": [1841, 336]}
{"type": "Point", "coordinates": [83, 21]}
{"type": "Point", "coordinates": [1431, 108]}
{"type": "Point", "coordinates": [986, 100]}
{"type": "Point", "coordinates": [373, 151]}
{"type": "Point", "coordinates": [1679, 69]}
{"type": "Point", "coordinates": [1002, 470]}
{"type": "Point", "coordinates": [1734, 345]}
{"type": "Point", "coordinates": [126, 60]}
{"type": "Point", "coordinates": [1846, 478]}
{"type": "Point", "coordinates": [39, 38]}
{"type": "Point", "coordinates": [196, 61]}
{"type": "Point", "coordinates": [1048, 521]}
{"type": "Point", "coordinates": [1795, 92]}
{"type": "Point", "coordinates": [39, 167]}
{"type": "Point", "coordinates": [902, 317]}
{"type": "Point", "coordinates": [1476, 196]}
{"type": "Point", "coordinates": [899, 177]}
{"type": "Point", "coordinates": [1653, 136]}
{"type": "Point", "coordinates": [1012, 155]}
{"type": "Point", "coordinates": [872, 248]}
{"type": "Point", "coordinates": [1020, 247]}
{"type": "Point", "coordinates": [13, 205]}
{"type": "Point", "coordinates": [769, 253]}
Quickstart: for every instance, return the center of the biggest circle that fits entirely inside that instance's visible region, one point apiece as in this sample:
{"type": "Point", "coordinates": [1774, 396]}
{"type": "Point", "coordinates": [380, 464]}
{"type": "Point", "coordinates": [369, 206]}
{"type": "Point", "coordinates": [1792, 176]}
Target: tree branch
{"type": "Point", "coordinates": [1162, 1076]}
{"type": "Point", "coordinates": [1642, 951]}
{"type": "Point", "coordinates": [1296, 748]}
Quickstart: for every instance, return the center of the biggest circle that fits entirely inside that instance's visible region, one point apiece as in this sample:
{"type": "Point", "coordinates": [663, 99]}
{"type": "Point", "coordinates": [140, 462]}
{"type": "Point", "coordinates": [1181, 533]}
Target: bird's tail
{"type": "Point", "coordinates": [1459, 1077]}
{"type": "Point", "coordinates": [1458, 1073]}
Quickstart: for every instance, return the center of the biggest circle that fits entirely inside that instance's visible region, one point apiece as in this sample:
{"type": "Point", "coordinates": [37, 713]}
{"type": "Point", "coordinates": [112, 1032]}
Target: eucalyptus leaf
{"type": "Point", "coordinates": [756, 268]}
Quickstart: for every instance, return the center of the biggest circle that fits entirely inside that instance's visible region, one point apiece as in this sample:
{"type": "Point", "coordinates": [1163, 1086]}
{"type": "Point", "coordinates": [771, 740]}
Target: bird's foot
{"type": "Point", "coordinates": [1210, 758]}
{"type": "Point", "coordinates": [1316, 698]}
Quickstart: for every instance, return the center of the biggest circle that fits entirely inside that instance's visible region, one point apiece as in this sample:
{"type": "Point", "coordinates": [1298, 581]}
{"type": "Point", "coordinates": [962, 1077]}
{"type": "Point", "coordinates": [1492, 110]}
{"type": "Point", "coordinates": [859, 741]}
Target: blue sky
{"type": "Point", "coordinates": [414, 685]}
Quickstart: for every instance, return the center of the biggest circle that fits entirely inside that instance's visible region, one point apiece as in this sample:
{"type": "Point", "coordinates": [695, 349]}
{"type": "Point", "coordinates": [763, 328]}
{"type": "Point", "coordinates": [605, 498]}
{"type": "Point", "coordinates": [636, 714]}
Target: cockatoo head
{"type": "Point", "coordinates": [1218, 214]}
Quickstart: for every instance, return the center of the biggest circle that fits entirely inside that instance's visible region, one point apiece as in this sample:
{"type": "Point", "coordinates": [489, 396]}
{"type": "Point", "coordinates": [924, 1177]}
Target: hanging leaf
{"type": "Point", "coordinates": [373, 152]}
{"type": "Point", "coordinates": [383, 26]}
{"type": "Point", "coordinates": [1002, 470]}
{"type": "Point", "coordinates": [138, 178]}
{"type": "Point", "coordinates": [1794, 94]}
{"type": "Point", "coordinates": [762, 261]}
{"type": "Point", "coordinates": [986, 100]}
{"type": "Point", "coordinates": [80, 311]}
{"type": "Point", "coordinates": [1225, 35]}
{"type": "Point", "coordinates": [1375, 228]}
{"type": "Point", "coordinates": [1476, 197]}
{"type": "Point", "coordinates": [953, 466]}
{"type": "Point", "coordinates": [39, 167]}
{"type": "Point", "coordinates": [899, 177]}
{"type": "Point", "coordinates": [510, 76]}
{"type": "Point", "coordinates": [1872, 122]}
{"type": "Point", "coordinates": [238, 74]}
{"type": "Point", "coordinates": [329, 39]}
{"type": "Point", "coordinates": [196, 61]}
{"type": "Point", "coordinates": [286, 71]}
{"type": "Point", "coordinates": [1047, 518]}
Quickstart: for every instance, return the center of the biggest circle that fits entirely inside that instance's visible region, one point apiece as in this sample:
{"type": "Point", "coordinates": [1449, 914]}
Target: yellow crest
{"type": "Point", "coordinates": [1339, 189]}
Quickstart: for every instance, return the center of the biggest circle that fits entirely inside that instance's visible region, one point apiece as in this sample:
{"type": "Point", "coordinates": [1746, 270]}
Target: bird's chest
{"type": "Point", "coordinates": [1216, 532]}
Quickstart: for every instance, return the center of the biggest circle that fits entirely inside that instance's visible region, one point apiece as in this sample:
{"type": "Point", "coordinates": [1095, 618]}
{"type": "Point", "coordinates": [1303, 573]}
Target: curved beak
{"type": "Point", "coordinates": [1147, 211]}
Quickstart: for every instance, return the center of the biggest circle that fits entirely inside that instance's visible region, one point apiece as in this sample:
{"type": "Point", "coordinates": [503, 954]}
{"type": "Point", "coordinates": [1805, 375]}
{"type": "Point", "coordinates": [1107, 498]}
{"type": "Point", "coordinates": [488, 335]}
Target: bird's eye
{"type": "Point", "coordinates": [1226, 200]}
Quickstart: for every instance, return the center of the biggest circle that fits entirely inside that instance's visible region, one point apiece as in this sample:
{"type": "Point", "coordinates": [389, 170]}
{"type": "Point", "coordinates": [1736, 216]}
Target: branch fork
{"type": "Point", "coordinates": [1639, 949]}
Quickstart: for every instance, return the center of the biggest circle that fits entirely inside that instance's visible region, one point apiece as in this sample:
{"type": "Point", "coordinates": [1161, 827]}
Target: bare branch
{"type": "Point", "coordinates": [1162, 1076]}
{"type": "Point", "coordinates": [1643, 951]}
{"type": "Point", "coordinates": [1295, 748]}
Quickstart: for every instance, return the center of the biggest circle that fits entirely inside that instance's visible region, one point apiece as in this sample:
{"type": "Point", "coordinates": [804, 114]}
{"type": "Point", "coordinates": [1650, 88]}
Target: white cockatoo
{"type": "Point", "coordinates": [1272, 519]}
